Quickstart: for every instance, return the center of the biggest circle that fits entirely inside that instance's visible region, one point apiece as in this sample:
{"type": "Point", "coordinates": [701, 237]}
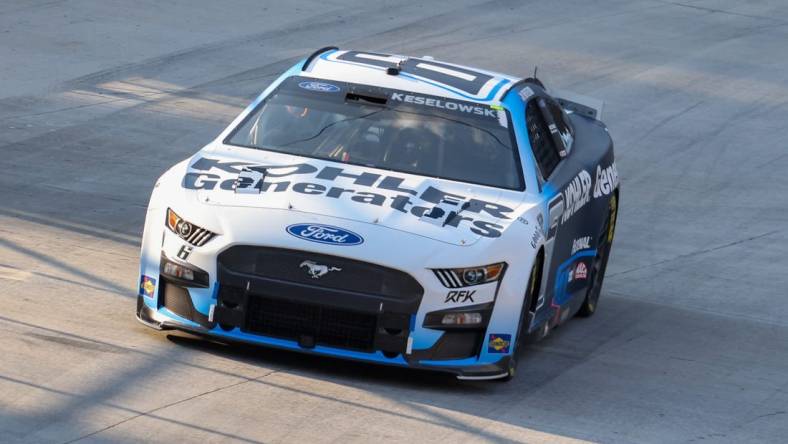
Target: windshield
{"type": "Point", "coordinates": [388, 129]}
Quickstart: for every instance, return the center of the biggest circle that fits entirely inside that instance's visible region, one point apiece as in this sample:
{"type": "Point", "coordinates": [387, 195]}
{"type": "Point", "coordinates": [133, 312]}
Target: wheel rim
{"type": "Point", "coordinates": [532, 292]}
{"type": "Point", "coordinates": [522, 328]}
{"type": "Point", "coordinates": [611, 227]}
{"type": "Point", "coordinates": [595, 289]}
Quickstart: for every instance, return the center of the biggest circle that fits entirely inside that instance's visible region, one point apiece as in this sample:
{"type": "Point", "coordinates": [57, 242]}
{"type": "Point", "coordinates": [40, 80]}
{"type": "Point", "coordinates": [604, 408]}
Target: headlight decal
{"type": "Point", "coordinates": [448, 278]}
{"type": "Point", "coordinates": [187, 231]}
{"type": "Point", "coordinates": [470, 276]}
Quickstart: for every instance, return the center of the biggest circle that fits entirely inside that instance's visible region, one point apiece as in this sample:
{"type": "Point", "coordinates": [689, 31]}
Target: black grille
{"type": "Point", "coordinates": [176, 299]}
{"type": "Point", "coordinates": [288, 265]}
{"type": "Point", "coordinates": [310, 324]}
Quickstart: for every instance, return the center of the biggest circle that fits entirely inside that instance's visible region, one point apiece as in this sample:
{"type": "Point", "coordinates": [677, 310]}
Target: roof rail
{"type": "Point", "coordinates": [315, 54]}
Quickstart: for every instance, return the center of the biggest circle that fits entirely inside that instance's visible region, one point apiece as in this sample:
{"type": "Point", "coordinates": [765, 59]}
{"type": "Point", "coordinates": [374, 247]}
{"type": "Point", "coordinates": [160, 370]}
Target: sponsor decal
{"type": "Point", "coordinates": [581, 243]}
{"type": "Point", "coordinates": [366, 188]}
{"type": "Point", "coordinates": [581, 271]}
{"type": "Point", "coordinates": [317, 270]}
{"type": "Point", "coordinates": [459, 296]}
{"type": "Point", "coordinates": [539, 228]}
{"type": "Point", "coordinates": [526, 93]}
{"type": "Point", "coordinates": [184, 252]}
{"type": "Point", "coordinates": [554, 212]}
{"type": "Point", "coordinates": [147, 286]}
{"type": "Point", "coordinates": [325, 234]}
{"type": "Point", "coordinates": [444, 104]}
{"type": "Point", "coordinates": [499, 343]}
{"type": "Point", "coordinates": [576, 194]}
{"type": "Point", "coordinates": [606, 180]}
{"type": "Point", "coordinates": [319, 86]}
{"type": "Point", "coordinates": [536, 236]}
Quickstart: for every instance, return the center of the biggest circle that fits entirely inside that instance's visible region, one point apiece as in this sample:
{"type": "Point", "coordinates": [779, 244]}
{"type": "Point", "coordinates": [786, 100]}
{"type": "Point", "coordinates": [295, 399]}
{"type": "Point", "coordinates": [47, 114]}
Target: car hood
{"type": "Point", "coordinates": [443, 210]}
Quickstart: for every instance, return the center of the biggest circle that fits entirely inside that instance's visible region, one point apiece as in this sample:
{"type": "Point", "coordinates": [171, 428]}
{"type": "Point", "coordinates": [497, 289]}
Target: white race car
{"type": "Point", "coordinates": [389, 209]}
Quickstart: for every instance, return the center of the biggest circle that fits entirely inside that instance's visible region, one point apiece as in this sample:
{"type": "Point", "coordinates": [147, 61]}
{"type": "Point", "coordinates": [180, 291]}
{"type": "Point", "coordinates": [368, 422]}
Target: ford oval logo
{"type": "Point", "coordinates": [325, 234]}
{"type": "Point", "coordinates": [319, 86]}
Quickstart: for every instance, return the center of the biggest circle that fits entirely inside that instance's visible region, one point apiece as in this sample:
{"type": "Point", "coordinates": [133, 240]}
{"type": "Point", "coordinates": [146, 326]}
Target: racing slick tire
{"type": "Point", "coordinates": [599, 265]}
{"type": "Point", "coordinates": [534, 283]}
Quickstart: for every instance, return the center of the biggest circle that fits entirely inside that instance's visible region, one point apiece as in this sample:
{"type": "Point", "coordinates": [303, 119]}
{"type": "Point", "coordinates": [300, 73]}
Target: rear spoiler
{"type": "Point", "coordinates": [576, 103]}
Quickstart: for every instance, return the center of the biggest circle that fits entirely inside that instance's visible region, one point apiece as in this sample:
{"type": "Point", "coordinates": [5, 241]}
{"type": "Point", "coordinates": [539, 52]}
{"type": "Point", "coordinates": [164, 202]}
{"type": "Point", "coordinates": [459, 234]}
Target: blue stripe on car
{"type": "Point", "coordinates": [561, 296]}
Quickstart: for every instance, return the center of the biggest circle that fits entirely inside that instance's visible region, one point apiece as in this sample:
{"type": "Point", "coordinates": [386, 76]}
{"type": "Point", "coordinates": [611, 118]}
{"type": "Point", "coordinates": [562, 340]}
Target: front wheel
{"type": "Point", "coordinates": [599, 265]}
{"type": "Point", "coordinates": [532, 291]}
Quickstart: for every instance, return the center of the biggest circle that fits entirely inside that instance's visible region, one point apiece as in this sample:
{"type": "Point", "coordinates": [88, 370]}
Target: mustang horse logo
{"type": "Point", "coordinates": [317, 270]}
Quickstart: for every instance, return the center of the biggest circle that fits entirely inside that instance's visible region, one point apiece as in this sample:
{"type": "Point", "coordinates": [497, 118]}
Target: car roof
{"type": "Point", "coordinates": [419, 75]}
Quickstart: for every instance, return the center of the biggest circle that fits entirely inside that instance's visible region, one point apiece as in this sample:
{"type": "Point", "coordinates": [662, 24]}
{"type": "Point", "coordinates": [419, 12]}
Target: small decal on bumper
{"type": "Point", "coordinates": [147, 286]}
{"type": "Point", "coordinates": [499, 343]}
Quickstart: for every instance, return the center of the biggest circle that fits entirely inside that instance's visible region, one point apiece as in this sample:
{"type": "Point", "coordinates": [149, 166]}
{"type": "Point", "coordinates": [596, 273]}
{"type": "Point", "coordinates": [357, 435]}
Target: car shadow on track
{"type": "Point", "coordinates": [434, 397]}
{"type": "Point", "coordinates": [540, 362]}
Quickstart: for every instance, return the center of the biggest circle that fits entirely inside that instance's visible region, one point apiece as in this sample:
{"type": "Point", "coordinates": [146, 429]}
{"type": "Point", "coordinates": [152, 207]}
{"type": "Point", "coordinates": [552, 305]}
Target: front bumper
{"type": "Point", "coordinates": [468, 368]}
{"type": "Point", "coordinates": [220, 308]}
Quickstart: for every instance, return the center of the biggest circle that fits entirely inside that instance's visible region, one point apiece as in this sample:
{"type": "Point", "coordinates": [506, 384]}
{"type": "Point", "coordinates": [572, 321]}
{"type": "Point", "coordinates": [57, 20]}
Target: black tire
{"type": "Point", "coordinates": [532, 289]}
{"type": "Point", "coordinates": [598, 267]}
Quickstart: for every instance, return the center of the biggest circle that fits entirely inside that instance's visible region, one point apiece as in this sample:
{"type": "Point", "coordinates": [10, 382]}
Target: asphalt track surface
{"type": "Point", "coordinates": [98, 98]}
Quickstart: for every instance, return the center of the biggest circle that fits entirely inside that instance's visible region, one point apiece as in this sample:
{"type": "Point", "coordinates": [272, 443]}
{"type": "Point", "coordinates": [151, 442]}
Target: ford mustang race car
{"type": "Point", "coordinates": [387, 209]}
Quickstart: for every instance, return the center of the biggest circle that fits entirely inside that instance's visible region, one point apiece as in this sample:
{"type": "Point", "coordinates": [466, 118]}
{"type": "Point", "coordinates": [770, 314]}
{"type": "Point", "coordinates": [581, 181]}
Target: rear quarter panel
{"type": "Point", "coordinates": [584, 181]}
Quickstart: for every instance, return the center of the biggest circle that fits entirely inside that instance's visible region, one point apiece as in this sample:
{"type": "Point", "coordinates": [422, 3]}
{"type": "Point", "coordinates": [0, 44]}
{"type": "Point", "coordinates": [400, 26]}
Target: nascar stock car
{"type": "Point", "coordinates": [388, 209]}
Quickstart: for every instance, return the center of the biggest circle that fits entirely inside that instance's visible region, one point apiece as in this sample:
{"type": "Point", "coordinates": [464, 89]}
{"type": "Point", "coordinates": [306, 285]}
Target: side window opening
{"type": "Point", "coordinates": [542, 142]}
